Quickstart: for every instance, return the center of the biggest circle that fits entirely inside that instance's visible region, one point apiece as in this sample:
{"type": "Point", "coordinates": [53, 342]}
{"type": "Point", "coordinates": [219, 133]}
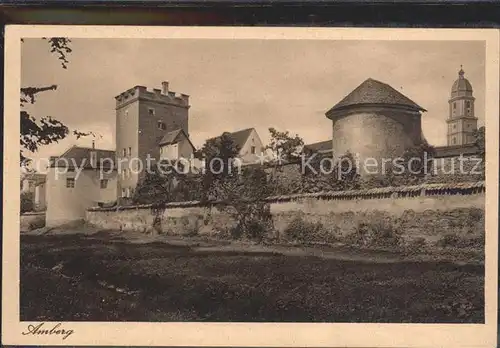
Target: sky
{"type": "Point", "coordinates": [237, 84]}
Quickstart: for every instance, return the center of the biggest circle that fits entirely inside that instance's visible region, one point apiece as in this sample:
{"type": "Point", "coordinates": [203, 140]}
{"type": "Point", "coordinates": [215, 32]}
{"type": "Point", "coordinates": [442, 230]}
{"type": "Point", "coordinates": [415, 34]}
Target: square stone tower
{"type": "Point", "coordinates": [142, 119]}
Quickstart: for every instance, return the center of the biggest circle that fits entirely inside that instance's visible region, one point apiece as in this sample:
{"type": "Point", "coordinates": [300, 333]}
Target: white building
{"type": "Point", "coordinates": [79, 179]}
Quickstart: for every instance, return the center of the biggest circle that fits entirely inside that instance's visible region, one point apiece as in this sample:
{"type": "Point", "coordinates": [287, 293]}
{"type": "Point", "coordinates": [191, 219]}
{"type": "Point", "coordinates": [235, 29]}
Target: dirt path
{"type": "Point", "coordinates": [204, 245]}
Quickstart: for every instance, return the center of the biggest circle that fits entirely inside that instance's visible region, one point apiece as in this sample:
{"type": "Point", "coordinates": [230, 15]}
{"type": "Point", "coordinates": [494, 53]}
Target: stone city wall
{"type": "Point", "coordinates": [425, 211]}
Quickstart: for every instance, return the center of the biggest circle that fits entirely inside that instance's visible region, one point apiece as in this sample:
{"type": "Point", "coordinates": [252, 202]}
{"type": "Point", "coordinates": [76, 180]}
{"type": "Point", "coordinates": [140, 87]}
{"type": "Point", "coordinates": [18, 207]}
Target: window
{"type": "Point", "coordinates": [124, 193]}
{"type": "Point", "coordinates": [468, 105]}
{"type": "Point", "coordinates": [123, 173]}
{"type": "Point", "coordinates": [454, 126]}
{"type": "Point", "coordinates": [124, 152]}
{"type": "Point", "coordinates": [70, 182]}
{"type": "Point", "coordinates": [454, 141]}
{"type": "Point", "coordinates": [252, 150]}
{"type": "Point", "coordinates": [151, 112]}
{"type": "Point", "coordinates": [162, 125]}
{"type": "Point", "coordinates": [93, 159]}
{"type": "Point", "coordinates": [130, 152]}
{"type": "Point", "coordinates": [161, 150]}
{"type": "Point", "coordinates": [104, 183]}
{"type": "Point", "coordinates": [454, 106]}
{"type": "Point", "coordinates": [127, 192]}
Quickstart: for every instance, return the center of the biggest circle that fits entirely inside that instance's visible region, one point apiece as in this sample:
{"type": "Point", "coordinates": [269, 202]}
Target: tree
{"type": "Point", "coordinates": [480, 142]}
{"type": "Point", "coordinates": [27, 202]}
{"type": "Point", "coordinates": [219, 155]}
{"type": "Point", "coordinates": [284, 147]}
{"type": "Point", "coordinates": [409, 169]}
{"type": "Point", "coordinates": [243, 197]}
{"type": "Point", "coordinates": [167, 182]}
{"type": "Point", "coordinates": [240, 191]}
{"type": "Point", "coordinates": [323, 174]}
{"type": "Point", "coordinates": [40, 131]}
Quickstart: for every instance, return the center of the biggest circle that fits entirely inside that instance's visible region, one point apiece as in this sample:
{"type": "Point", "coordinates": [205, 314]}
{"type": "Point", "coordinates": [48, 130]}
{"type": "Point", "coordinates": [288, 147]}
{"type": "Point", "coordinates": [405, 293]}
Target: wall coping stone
{"type": "Point", "coordinates": [33, 213]}
{"type": "Point", "coordinates": [445, 189]}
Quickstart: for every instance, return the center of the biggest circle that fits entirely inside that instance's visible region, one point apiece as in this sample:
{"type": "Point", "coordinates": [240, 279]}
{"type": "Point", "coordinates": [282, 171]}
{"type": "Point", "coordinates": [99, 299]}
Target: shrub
{"type": "Point", "coordinates": [254, 220]}
{"type": "Point", "coordinates": [475, 215]}
{"type": "Point", "coordinates": [27, 203]}
{"type": "Point", "coordinates": [456, 241]}
{"type": "Point", "coordinates": [39, 222]}
{"type": "Point", "coordinates": [449, 240]}
{"type": "Point", "coordinates": [378, 230]}
{"type": "Point", "coordinates": [416, 245]}
{"type": "Point", "coordinates": [303, 231]}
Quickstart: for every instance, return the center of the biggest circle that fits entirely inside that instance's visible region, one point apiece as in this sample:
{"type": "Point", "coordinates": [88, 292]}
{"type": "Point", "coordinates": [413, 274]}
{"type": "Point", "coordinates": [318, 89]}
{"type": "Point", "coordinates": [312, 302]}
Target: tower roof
{"type": "Point", "coordinates": [375, 92]}
{"type": "Point", "coordinates": [461, 84]}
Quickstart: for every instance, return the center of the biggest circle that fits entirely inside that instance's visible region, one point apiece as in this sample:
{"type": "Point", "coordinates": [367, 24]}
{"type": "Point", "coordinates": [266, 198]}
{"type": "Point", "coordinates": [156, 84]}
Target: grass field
{"type": "Point", "coordinates": [99, 278]}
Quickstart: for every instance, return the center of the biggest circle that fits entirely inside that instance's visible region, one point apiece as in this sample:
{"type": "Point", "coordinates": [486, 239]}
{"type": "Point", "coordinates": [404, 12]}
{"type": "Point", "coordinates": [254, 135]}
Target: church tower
{"type": "Point", "coordinates": [461, 120]}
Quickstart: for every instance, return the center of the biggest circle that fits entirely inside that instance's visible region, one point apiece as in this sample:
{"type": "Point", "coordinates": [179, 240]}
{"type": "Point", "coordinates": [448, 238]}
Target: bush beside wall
{"type": "Point", "coordinates": [411, 223]}
{"type": "Point", "coordinates": [31, 221]}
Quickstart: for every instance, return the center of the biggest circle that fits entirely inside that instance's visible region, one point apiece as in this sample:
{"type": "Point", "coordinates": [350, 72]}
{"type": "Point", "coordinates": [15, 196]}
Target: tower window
{"type": "Point", "coordinates": [252, 150]}
{"type": "Point", "coordinates": [129, 151]}
{"type": "Point", "coordinates": [93, 159]}
{"type": "Point", "coordinates": [70, 182]}
{"type": "Point", "coordinates": [162, 125]}
{"type": "Point", "coordinates": [468, 105]}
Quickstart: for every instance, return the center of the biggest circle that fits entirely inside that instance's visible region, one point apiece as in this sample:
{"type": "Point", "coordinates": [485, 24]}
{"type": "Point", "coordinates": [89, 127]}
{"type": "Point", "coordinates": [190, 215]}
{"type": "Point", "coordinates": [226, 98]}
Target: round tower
{"type": "Point", "coordinates": [461, 121]}
{"type": "Point", "coordinates": [375, 122]}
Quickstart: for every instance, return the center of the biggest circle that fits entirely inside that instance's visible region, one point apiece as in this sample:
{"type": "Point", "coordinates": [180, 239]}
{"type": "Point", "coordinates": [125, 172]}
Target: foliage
{"type": "Point", "coordinates": [461, 242]}
{"type": "Point", "coordinates": [27, 202]}
{"type": "Point", "coordinates": [167, 183]}
{"type": "Point", "coordinates": [329, 175]}
{"type": "Point", "coordinates": [40, 131]}
{"type": "Point", "coordinates": [377, 231]}
{"type": "Point", "coordinates": [480, 142]}
{"type": "Point", "coordinates": [300, 230]}
{"type": "Point", "coordinates": [220, 155]}
{"type": "Point", "coordinates": [285, 148]}
{"type": "Point", "coordinates": [416, 245]}
{"type": "Point", "coordinates": [243, 198]}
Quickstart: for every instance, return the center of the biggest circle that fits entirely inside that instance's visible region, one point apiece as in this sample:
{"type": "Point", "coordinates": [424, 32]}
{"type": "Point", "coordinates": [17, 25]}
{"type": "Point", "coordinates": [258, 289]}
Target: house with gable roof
{"type": "Point", "coordinates": [78, 179]}
{"type": "Point", "coordinates": [249, 144]}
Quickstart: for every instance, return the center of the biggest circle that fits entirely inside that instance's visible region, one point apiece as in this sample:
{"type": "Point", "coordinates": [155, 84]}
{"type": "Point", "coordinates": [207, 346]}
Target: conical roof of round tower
{"type": "Point", "coordinates": [374, 92]}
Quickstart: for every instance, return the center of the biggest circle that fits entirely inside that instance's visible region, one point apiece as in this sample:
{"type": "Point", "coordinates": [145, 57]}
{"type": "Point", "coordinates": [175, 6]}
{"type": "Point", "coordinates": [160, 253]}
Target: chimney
{"type": "Point", "coordinates": [164, 87]}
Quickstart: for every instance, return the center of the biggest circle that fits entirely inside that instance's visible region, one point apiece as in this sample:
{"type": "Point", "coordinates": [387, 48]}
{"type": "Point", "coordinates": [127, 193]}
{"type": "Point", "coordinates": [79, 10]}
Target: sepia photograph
{"type": "Point", "coordinates": [333, 178]}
